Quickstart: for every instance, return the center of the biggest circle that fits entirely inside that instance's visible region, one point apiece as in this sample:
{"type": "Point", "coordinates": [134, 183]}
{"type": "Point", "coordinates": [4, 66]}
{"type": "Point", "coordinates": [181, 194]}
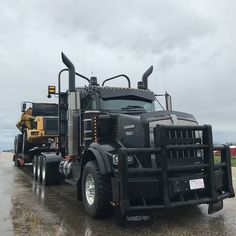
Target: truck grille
{"type": "Point", "coordinates": [184, 137]}
{"type": "Point", "coordinates": [179, 142]}
{"type": "Point", "coordinates": [183, 144]}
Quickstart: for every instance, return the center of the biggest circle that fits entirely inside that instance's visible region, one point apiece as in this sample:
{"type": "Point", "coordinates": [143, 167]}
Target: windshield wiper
{"type": "Point", "coordinates": [131, 107]}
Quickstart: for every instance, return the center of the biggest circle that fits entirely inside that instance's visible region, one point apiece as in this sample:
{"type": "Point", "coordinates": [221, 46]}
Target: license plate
{"type": "Point", "coordinates": [196, 184]}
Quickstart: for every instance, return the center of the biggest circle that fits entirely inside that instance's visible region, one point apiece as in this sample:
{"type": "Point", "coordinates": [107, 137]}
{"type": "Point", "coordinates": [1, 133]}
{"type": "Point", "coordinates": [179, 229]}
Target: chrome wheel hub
{"type": "Point", "coordinates": [90, 189]}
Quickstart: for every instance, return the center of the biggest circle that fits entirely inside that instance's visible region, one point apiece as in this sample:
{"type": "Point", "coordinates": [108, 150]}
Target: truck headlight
{"type": "Point", "coordinates": [130, 159]}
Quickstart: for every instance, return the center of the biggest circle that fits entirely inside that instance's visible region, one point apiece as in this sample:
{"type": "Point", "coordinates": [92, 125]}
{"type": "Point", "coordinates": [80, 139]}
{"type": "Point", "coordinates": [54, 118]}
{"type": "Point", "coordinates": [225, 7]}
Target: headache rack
{"type": "Point", "coordinates": [182, 154]}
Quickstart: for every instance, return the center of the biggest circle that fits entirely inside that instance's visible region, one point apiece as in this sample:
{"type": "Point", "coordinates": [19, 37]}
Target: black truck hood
{"type": "Point", "coordinates": [160, 115]}
{"type": "Point", "coordinates": [135, 130]}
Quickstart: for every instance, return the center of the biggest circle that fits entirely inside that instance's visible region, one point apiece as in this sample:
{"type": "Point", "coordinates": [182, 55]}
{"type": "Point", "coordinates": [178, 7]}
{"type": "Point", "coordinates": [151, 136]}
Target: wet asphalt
{"type": "Point", "coordinates": [27, 208]}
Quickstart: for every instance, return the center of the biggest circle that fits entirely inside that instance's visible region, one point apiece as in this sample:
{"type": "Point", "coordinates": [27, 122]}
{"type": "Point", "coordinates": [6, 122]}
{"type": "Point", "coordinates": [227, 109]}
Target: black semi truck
{"type": "Point", "coordinates": [122, 153]}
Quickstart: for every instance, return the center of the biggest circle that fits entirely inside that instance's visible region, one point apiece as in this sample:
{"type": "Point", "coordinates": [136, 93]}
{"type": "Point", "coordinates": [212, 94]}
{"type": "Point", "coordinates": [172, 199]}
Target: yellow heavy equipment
{"type": "Point", "coordinates": [38, 126]}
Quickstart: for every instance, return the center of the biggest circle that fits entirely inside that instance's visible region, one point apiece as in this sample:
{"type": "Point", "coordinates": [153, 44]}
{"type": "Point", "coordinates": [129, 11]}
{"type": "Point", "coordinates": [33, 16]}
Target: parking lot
{"type": "Point", "coordinates": [27, 208]}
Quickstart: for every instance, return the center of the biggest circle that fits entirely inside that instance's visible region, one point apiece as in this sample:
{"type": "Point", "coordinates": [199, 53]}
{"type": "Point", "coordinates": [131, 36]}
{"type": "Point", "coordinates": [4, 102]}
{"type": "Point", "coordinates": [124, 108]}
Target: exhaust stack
{"type": "Point", "coordinates": [145, 77]}
{"type": "Point", "coordinates": [72, 109]}
{"type": "Point", "coordinates": [71, 69]}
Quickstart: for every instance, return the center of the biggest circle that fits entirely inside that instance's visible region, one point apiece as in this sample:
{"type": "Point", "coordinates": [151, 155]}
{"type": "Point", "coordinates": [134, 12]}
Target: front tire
{"type": "Point", "coordinates": [96, 191]}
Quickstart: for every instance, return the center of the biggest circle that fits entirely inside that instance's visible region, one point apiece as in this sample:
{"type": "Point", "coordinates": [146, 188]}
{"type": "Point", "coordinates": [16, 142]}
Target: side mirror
{"type": "Point", "coordinates": [167, 99]}
{"type": "Point", "coordinates": [168, 102]}
{"type": "Point", "coordinates": [23, 107]}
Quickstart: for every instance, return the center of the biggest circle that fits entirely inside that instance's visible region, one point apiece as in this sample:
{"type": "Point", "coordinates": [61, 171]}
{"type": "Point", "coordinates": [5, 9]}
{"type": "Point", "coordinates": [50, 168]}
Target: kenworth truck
{"type": "Point", "coordinates": [120, 152]}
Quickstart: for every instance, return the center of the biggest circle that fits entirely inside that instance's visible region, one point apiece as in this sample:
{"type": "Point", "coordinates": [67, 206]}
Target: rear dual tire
{"type": "Point", "coordinates": [35, 166]}
{"type": "Point", "coordinates": [25, 144]}
{"type": "Point", "coordinates": [40, 170]}
{"type": "Point", "coordinates": [18, 143]}
{"type": "Point", "coordinates": [18, 149]}
{"type": "Point", "coordinates": [45, 172]}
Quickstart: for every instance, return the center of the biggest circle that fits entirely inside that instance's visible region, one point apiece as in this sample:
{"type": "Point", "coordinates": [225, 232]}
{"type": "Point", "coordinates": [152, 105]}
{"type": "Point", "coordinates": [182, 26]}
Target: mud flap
{"type": "Point", "coordinates": [215, 206]}
{"type": "Point", "coordinates": [135, 218]}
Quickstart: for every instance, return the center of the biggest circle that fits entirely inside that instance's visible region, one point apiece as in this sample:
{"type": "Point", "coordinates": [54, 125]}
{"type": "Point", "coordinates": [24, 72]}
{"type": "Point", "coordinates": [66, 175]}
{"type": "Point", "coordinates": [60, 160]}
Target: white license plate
{"type": "Point", "coordinates": [196, 184]}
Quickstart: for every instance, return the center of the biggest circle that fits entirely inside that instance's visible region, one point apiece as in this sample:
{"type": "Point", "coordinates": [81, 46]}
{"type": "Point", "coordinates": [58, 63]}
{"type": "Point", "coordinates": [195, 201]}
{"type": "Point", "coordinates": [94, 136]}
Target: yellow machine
{"type": "Point", "coordinates": [38, 126]}
{"type": "Point", "coordinates": [35, 127]}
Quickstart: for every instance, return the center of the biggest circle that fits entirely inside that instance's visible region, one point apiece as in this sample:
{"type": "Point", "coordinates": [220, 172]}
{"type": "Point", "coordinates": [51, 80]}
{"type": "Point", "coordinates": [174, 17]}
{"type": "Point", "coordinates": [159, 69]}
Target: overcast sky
{"type": "Point", "coordinates": [192, 45]}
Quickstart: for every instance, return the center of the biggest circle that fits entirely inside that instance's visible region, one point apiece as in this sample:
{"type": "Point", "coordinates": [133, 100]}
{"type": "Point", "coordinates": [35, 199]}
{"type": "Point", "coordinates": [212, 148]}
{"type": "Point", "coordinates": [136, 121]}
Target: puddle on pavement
{"type": "Point", "coordinates": [54, 210]}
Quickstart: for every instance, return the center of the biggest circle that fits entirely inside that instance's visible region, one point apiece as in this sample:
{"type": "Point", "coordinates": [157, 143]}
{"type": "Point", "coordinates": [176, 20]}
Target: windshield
{"type": "Point", "coordinates": [127, 105]}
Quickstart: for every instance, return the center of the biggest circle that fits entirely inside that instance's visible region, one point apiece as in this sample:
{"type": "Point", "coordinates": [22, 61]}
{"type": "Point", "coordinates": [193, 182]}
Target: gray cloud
{"type": "Point", "coordinates": [142, 27]}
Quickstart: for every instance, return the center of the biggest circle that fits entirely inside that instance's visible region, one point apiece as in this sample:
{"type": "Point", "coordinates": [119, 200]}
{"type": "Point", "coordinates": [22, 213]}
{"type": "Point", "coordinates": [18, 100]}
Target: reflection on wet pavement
{"type": "Point", "coordinates": [28, 208]}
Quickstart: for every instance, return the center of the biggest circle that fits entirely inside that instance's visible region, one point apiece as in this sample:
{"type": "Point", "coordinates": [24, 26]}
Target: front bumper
{"type": "Point", "coordinates": [168, 185]}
